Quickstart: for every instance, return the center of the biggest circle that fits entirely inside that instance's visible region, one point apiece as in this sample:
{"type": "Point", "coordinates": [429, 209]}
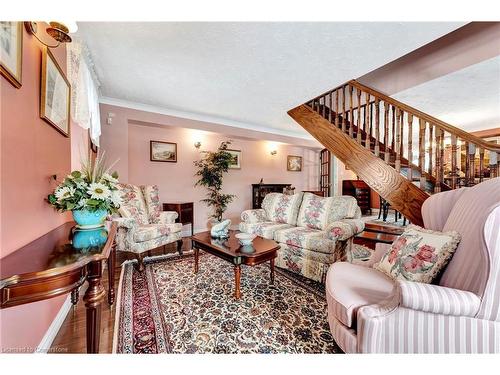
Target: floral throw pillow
{"type": "Point", "coordinates": [418, 254]}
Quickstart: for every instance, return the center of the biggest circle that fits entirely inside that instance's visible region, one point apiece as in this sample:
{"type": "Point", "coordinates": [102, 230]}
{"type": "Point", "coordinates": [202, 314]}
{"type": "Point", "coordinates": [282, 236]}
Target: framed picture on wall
{"type": "Point", "coordinates": [294, 163]}
{"type": "Point", "coordinates": [55, 92]}
{"type": "Point", "coordinates": [11, 51]}
{"type": "Point", "coordinates": [163, 151]}
{"type": "Point", "coordinates": [236, 162]}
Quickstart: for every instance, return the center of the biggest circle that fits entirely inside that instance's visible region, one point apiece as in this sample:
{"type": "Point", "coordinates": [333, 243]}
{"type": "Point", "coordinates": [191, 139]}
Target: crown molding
{"type": "Point", "coordinates": [201, 117]}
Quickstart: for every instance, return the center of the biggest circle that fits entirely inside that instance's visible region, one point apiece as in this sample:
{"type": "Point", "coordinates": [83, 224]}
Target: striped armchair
{"type": "Point", "coordinates": [370, 313]}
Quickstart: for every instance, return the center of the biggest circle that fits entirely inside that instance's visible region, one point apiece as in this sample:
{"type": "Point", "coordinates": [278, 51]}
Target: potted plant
{"type": "Point", "coordinates": [211, 169]}
{"type": "Point", "coordinates": [90, 193]}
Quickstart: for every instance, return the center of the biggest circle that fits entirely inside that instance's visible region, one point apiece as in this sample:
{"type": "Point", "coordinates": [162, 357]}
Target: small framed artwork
{"type": "Point", "coordinates": [294, 163]}
{"type": "Point", "coordinates": [11, 51]}
{"type": "Point", "coordinates": [236, 161]}
{"type": "Point", "coordinates": [163, 151]}
{"type": "Point", "coordinates": [55, 92]}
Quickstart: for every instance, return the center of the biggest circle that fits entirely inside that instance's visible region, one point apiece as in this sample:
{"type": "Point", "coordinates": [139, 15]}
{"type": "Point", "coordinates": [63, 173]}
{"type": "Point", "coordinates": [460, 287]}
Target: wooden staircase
{"type": "Point", "coordinates": [402, 153]}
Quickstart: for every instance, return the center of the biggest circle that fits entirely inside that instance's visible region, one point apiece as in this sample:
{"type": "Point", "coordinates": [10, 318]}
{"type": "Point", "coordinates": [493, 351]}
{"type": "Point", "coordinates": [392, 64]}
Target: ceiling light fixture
{"type": "Point", "coordinates": [57, 30]}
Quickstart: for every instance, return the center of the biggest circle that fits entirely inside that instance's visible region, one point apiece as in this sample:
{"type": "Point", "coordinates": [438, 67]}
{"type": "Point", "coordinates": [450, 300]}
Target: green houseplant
{"type": "Point", "coordinates": [89, 193]}
{"type": "Point", "coordinates": [211, 168]}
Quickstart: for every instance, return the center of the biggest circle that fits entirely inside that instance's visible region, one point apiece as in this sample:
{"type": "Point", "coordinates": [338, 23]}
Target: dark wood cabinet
{"type": "Point", "coordinates": [359, 190]}
{"type": "Point", "coordinates": [259, 191]}
{"type": "Point", "coordinates": [185, 210]}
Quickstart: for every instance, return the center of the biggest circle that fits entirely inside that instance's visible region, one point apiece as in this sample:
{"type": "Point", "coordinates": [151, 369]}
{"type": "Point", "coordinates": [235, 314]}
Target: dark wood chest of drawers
{"type": "Point", "coordinates": [259, 191]}
{"type": "Point", "coordinates": [359, 190]}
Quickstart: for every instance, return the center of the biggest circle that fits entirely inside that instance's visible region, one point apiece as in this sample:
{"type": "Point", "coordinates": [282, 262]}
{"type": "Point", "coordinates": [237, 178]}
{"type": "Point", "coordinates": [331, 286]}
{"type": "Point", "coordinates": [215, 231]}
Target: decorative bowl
{"type": "Point", "coordinates": [245, 238]}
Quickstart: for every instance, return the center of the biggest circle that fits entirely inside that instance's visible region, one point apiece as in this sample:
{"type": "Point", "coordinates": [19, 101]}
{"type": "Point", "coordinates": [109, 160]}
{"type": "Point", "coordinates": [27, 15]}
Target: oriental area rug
{"type": "Point", "coordinates": [169, 309]}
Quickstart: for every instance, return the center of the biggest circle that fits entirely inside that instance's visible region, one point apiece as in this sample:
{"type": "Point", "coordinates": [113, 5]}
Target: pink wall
{"type": "Point", "coordinates": [468, 45]}
{"type": "Point", "coordinates": [129, 141]}
{"type": "Point", "coordinates": [31, 151]}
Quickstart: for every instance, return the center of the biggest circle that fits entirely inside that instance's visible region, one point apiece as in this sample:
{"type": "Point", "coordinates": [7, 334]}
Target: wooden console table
{"type": "Point", "coordinates": [50, 266]}
{"type": "Point", "coordinates": [185, 210]}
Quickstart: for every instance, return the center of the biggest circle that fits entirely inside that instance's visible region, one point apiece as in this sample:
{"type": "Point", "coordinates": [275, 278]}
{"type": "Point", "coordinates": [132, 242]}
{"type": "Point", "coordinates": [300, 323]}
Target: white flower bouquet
{"type": "Point", "coordinates": [91, 189]}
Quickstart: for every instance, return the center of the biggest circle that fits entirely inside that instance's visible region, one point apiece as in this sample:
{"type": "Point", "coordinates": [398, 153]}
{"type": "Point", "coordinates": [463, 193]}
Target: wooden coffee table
{"type": "Point", "coordinates": [261, 250]}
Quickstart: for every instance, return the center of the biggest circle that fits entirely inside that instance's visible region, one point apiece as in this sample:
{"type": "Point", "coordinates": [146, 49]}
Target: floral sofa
{"type": "Point", "coordinates": [313, 232]}
{"type": "Point", "coordinates": [142, 226]}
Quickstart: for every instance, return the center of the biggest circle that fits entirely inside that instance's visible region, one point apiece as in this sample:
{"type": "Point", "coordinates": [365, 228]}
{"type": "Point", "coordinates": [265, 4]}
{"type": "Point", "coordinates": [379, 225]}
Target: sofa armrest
{"type": "Point", "coordinates": [167, 217]}
{"type": "Point", "coordinates": [380, 250]}
{"type": "Point", "coordinates": [254, 216]}
{"type": "Point", "coordinates": [126, 222]}
{"type": "Point", "coordinates": [438, 299]}
{"type": "Point", "coordinates": [344, 229]}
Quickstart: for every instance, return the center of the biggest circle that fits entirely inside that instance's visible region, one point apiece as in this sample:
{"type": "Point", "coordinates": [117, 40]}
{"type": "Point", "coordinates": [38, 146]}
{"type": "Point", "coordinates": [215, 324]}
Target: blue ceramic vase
{"type": "Point", "coordinates": [89, 219]}
{"type": "Point", "coordinates": [88, 239]}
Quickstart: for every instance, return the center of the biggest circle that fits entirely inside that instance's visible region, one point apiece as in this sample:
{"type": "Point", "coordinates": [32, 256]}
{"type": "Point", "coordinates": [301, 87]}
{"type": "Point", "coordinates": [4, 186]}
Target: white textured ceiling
{"type": "Point", "coordinates": [468, 98]}
{"type": "Point", "coordinates": [250, 73]}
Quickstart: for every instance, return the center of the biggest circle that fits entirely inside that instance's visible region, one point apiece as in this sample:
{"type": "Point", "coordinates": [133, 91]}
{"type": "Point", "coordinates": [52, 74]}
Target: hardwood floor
{"type": "Point", "coordinates": [71, 338]}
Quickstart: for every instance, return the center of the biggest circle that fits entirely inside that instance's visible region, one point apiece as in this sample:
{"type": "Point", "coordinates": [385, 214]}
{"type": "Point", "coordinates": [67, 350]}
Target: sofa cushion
{"type": "Point", "coordinates": [282, 208]}
{"type": "Point", "coordinates": [418, 254]}
{"type": "Point", "coordinates": [152, 201]}
{"type": "Point", "coordinates": [133, 205]}
{"type": "Point", "coordinates": [317, 212]}
{"type": "Point", "coordinates": [306, 238]}
{"type": "Point", "coordinates": [350, 286]}
{"type": "Point", "coordinates": [265, 229]}
{"type": "Point", "coordinates": [150, 231]}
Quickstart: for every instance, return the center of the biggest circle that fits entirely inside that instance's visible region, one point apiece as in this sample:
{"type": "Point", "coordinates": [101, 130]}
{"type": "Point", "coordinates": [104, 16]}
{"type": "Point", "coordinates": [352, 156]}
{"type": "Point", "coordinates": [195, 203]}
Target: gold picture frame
{"type": "Point", "coordinates": [11, 52]}
{"type": "Point", "coordinates": [236, 162]}
{"type": "Point", "coordinates": [55, 94]}
{"type": "Point", "coordinates": [294, 163]}
{"type": "Point", "coordinates": [163, 151]}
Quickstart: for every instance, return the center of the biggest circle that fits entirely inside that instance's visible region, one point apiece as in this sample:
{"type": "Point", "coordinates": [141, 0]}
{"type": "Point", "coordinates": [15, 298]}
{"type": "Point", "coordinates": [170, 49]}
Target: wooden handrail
{"type": "Point", "coordinates": [422, 115]}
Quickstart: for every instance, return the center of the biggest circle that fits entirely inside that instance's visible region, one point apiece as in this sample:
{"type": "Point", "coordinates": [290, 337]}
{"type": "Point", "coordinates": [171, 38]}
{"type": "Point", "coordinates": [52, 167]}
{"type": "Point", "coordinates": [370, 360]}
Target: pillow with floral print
{"type": "Point", "coordinates": [418, 254]}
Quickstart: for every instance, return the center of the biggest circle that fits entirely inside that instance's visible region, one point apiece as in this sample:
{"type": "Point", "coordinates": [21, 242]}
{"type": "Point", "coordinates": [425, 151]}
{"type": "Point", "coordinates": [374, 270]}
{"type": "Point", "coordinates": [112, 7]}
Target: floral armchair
{"type": "Point", "coordinates": [313, 232]}
{"type": "Point", "coordinates": [369, 312]}
{"type": "Point", "coordinates": [142, 225]}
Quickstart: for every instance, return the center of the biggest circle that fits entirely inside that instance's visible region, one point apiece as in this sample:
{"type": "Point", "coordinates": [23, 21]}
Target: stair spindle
{"type": "Point", "coordinates": [421, 151]}
{"type": "Point", "coordinates": [410, 146]}
{"type": "Point", "coordinates": [454, 169]}
{"type": "Point", "coordinates": [344, 110]}
{"type": "Point", "coordinates": [431, 144]}
{"type": "Point", "coordinates": [337, 108]}
{"type": "Point", "coordinates": [401, 132]}
{"type": "Point", "coordinates": [472, 164]}
{"type": "Point", "coordinates": [481, 164]}
{"type": "Point", "coordinates": [358, 135]}
{"type": "Point", "coordinates": [351, 111]}
{"type": "Point", "coordinates": [323, 110]}
{"type": "Point", "coordinates": [368, 129]}
{"type": "Point", "coordinates": [439, 159]}
{"type": "Point", "coordinates": [387, 154]}
{"type": "Point", "coordinates": [330, 107]}
{"type": "Point", "coordinates": [377, 127]}
{"type": "Point", "coordinates": [393, 143]}
{"type": "Point", "coordinates": [397, 140]}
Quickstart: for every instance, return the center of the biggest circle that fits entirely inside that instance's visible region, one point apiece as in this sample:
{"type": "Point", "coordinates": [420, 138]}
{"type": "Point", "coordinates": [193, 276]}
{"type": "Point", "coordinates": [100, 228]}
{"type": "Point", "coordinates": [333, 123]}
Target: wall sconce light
{"type": "Point", "coordinates": [274, 152]}
{"type": "Point", "coordinates": [197, 145]}
{"type": "Point", "coordinates": [57, 31]}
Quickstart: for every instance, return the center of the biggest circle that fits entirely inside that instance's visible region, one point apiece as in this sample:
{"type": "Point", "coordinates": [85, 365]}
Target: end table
{"type": "Point", "coordinates": [185, 210]}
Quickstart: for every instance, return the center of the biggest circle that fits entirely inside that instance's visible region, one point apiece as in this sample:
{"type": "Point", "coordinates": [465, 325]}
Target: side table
{"type": "Point", "coordinates": [185, 210]}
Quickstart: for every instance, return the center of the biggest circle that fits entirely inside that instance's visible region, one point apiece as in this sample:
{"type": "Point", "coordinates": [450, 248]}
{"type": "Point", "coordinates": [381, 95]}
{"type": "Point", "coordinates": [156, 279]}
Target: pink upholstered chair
{"type": "Point", "coordinates": [370, 313]}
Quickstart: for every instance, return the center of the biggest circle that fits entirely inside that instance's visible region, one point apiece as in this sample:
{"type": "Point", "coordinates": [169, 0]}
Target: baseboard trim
{"type": "Point", "coordinates": [54, 328]}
